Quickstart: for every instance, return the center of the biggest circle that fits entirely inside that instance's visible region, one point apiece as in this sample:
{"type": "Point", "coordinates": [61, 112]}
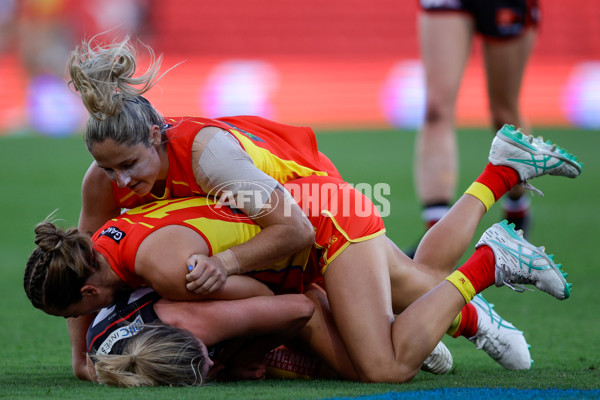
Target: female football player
{"type": "Point", "coordinates": [350, 252]}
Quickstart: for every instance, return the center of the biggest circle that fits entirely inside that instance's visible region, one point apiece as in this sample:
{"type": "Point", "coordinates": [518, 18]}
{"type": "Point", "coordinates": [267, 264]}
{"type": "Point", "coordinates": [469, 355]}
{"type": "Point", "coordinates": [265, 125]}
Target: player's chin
{"type": "Point", "coordinates": [140, 188]}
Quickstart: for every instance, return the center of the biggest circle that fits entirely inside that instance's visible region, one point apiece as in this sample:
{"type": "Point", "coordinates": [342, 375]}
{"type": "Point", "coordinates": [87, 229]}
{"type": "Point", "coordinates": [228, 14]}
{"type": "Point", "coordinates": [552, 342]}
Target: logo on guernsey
{"type": "Point", "coordinates": [124, 332]}
{"type": "Point", "coordinates": [114, 233]}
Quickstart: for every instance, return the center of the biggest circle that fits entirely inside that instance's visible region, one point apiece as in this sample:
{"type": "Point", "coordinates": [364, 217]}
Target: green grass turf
{"type": "Point", "coordinates": [39, 175]}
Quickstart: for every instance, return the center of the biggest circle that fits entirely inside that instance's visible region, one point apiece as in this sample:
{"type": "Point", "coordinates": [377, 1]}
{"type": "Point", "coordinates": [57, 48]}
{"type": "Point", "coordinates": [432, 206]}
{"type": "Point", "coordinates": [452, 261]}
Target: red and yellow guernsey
{"type": "Point", "coordinates": [283, 152]}
{"type": "Point", "coordinates": [220, 226]}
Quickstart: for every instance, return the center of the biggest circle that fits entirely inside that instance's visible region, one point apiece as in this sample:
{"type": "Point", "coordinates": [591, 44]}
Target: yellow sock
{"type": "Point", "coordinates": [463, 284]}
{"type": "Point", "coordinates": [483, 193]}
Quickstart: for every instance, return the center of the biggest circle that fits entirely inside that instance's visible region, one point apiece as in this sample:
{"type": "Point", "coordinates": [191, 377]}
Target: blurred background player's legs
{"type": "Point", "coordinates": [445, 40]}
{"type": "Point", "coordinates": [445, 43]}
{"type": "Point", "coordinates": [505, 62]}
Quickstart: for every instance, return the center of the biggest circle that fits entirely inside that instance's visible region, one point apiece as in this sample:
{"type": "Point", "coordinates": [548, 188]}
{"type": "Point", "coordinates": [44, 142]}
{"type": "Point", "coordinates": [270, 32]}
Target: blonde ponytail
{"type": "Point", "coordinates": [160, 355]}
{"type": "Point", "coordinates": [104, 75]}
{"type": "Point", "coordinates": [104, 78]}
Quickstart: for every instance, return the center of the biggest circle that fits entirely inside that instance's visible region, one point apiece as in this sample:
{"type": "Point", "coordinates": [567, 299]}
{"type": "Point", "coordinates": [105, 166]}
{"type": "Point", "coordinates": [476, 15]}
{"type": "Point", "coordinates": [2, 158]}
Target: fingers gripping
{"type": "Point", "coordinates": [208, 274]}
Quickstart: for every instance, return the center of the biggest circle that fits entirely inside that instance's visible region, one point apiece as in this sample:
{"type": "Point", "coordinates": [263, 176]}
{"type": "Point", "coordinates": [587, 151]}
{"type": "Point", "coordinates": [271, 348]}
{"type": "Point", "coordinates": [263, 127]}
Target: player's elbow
{"type": "Point", "coordinates": [304, 233]}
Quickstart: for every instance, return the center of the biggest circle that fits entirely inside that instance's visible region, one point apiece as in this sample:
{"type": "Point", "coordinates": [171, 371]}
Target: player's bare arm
{"type": "Point", "coordinates": [162, 261]}
{"type": "Point", "coordinates": [286, 230]}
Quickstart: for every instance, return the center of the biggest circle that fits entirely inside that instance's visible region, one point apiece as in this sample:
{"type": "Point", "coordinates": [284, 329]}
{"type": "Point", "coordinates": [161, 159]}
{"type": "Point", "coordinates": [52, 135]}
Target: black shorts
{"type": "Point", "coordinates": [493, 18]}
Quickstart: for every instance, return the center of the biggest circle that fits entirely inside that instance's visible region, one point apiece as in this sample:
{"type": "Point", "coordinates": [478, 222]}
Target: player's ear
{"type": "Point", "coordinates": [155, 136]}
{"type": "Point", "coordinates": [89, 290]}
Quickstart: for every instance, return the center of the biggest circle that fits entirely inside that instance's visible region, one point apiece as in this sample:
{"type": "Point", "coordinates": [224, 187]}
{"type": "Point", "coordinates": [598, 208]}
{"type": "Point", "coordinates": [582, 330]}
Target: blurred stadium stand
{"type": "Point", "coordinates": [347, 64]}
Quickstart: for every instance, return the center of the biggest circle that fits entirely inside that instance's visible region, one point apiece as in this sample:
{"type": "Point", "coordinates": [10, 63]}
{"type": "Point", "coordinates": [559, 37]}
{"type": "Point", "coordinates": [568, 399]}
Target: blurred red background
{"type": "Point", "coordinates": [351, 64]}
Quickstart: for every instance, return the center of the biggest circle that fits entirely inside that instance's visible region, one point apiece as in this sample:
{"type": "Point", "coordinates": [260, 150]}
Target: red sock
{"type": "Point", "coordinates": [498, 178]}
{"type": "Point", "coordinates": [468, 322]}
{"type": "Point", "coordinates": [480, 268]}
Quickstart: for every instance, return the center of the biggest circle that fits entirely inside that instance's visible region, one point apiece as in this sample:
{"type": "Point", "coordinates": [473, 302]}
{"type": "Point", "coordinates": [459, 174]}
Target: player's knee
{"type": "Point", "coordinates": [436, 112]}
{"type": "Point", "coordinates": [307, 309]}
{"type": "Point", "coordinates": [439, 106]}
{"type": "Point", "coordinates": [398, 372]}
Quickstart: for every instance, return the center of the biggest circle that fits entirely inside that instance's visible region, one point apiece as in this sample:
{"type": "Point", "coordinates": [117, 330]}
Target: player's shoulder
{"type": "Point", "coordinates": [96, 184]}
{"type": "Point", "coordinates": [95, 175]}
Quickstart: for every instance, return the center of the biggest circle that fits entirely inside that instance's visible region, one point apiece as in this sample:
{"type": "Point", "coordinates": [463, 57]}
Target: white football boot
{"type": "Point", "coordinates": [499, 338]}
{"type": "Point", "coordinates": [531, 156]}
{"type": "Point", "coordinates": [519, 262]}
{"type": "Point", "coordinates": [439, 361]}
